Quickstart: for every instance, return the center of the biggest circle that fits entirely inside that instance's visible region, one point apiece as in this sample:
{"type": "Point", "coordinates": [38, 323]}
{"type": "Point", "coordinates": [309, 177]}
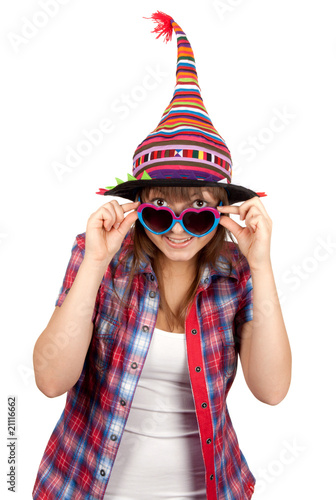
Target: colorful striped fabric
{"type": "Point", "coordinates": [184, 149]}
{"type": "Point", "coordinates": [185, 144]}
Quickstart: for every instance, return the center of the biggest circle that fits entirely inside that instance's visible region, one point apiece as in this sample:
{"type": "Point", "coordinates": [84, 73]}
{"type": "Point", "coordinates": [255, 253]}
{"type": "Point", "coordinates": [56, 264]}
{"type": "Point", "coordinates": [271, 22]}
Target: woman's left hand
{"type": "Point", "coordinates": [254, 240]}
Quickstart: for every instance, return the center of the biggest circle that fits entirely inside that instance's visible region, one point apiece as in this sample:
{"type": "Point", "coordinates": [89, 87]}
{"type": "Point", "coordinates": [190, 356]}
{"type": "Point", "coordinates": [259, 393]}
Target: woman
{"type": "Point", "coordinates": [155, 307]}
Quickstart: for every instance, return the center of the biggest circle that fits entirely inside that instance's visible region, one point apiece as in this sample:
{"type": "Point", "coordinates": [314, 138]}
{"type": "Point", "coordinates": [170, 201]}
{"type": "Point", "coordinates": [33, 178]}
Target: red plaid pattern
{"type": "Point", "coordinates": [81, 451]}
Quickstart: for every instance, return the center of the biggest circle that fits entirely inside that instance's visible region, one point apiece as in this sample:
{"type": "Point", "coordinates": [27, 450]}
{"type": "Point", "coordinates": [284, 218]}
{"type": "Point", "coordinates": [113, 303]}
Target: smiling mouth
{"type": "Point", "coordinates": [178, 241]}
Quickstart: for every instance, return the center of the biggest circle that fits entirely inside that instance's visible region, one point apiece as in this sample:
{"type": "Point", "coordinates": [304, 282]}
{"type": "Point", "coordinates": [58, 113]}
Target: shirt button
{"type": "Point", "coordinates": [145, 328]}
{"type": "Point", "coordinates": [204, 405]}
{"type": "Point", "coordinates": [113, 437]}
{"type": "Point", "coordinates": [134, 365]}
{"type": "Point", "coordinates": [194, 331]}
{"type": "Point", "coordinates": [67, 290]}
{"type": "Point", "coordinates": [198, 368]}
{"type": "Point", "coordinates": [122, 402]}
{"type": "Point", "coordinates": [208, 441]}
{"type": "Point", "coordinates": [152, 295]}
{"type": "Point", "coordinates": [152, 277]}
{"type": "Point", "coordinates": [102, 472]}
{"type": "Point", "coordinates": [211, 477]}
{"type": "Point", "coordinates": [206, 280]}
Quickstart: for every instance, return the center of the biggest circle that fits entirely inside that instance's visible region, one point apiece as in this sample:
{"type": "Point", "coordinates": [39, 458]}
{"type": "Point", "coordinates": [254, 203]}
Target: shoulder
{"type": "Point", "coordinates": [125, 246]}
{"type": "Point", "coordinates": [240, 266]}
{"type": "Point", "coordinates": [121, 260]}
{"type": "Point", "coordinates": [80, 242]}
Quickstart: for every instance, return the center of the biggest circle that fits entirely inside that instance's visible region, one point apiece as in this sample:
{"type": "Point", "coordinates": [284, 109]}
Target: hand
{"type": "Point", "coordinates": [254, 240]}
{"type": "Point", "coordinates": [106, 229]}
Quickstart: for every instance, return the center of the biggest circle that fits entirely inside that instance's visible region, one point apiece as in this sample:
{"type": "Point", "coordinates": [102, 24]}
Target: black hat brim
{"type": "Point", "coordinates": [129, 189]}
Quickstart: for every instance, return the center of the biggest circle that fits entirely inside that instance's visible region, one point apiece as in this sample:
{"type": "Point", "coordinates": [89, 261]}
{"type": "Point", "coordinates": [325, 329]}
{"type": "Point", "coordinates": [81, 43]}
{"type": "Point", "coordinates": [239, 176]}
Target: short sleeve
{"type": "Point", "coordinates": [245, 309]}
{"type": "Point", "coordinates": [76, 258]}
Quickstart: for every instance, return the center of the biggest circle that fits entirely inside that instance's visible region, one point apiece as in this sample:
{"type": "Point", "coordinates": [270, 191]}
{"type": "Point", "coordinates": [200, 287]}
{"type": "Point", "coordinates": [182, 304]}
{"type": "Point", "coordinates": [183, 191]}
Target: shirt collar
{"type": "Point", "coordinates": [221, 269]}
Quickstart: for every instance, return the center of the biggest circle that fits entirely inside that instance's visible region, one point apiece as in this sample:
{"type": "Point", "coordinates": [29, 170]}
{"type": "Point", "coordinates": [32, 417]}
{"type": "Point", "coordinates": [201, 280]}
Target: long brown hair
{"type": "Point", "coordinates": [143, 249]}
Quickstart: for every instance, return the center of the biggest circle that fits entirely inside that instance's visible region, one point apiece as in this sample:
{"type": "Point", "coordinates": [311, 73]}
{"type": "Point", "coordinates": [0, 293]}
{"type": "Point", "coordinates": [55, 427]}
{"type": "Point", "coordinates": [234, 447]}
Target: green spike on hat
{"type": "Point", "coordinates": [184, 149]}
{"type": "Point", "coordinates": [130, 177]}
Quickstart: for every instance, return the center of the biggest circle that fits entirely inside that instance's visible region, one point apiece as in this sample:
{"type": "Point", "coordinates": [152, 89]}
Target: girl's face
{"type": "Point", "coordinates": [178, 245]}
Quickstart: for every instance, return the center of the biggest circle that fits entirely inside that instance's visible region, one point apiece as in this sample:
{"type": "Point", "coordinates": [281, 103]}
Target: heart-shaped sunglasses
{"type": "Point", "coordinates": [195, 221]}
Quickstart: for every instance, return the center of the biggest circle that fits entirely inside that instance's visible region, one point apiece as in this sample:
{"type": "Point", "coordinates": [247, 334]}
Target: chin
{"type": "Point", "coordinates": [180, 256]}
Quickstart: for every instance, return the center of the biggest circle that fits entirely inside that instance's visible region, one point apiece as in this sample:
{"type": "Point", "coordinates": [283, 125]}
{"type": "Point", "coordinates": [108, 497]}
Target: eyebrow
{"type": "Point", "coordinates": [197, 196]}
{"type": "Point", "coordinates": [186, 203]}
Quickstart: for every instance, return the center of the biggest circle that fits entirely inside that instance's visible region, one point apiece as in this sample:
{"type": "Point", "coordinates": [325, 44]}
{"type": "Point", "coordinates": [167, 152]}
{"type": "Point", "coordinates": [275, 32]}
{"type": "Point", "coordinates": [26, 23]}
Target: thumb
{"type": "Point", "coordinates": [126, 224]}
{"type": "Point", "coordinates": [232, 226]}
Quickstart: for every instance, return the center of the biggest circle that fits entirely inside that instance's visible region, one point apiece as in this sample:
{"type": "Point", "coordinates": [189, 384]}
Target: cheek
{"type": "Point", "coordinates": [205, 239]}
{"type": "Point", "coordinates": [153, 237]}
{"type": "Point", "coordinates": [149, 234]}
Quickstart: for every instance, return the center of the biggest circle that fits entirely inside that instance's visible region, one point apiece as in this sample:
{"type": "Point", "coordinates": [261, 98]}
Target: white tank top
{"type": "Point", "coordinates": [160, 455]}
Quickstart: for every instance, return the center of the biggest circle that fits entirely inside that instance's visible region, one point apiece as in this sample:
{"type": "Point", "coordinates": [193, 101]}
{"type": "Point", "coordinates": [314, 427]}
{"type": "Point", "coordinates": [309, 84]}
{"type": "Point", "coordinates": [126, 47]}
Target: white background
{"type": "Point", "coordinates": [256, 60]}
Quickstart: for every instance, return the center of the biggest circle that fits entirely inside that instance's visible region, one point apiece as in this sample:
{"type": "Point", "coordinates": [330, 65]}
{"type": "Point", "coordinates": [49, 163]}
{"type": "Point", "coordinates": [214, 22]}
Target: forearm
{"type": "Point", "coordinates": [60, 350]}
{"type": "Point", "coordinates": [270, 359]}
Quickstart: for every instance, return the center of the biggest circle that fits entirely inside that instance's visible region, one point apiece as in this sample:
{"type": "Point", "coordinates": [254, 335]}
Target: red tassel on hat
{"type": "Point", "coordinates": [164, 26]}
{"type": "Point", "coordinates": [180, 134]}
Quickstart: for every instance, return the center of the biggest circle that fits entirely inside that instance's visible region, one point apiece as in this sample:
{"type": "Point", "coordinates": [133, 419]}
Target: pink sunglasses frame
{"type": "Point", "coordinates": [179, 218]}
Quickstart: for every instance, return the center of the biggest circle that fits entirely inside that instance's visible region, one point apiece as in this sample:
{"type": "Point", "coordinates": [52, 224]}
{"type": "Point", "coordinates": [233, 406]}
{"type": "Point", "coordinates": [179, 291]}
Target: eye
{"type": "Point", "coordinates": [199, 204]}
{"type": "Point", "coordinates": [159, 202]}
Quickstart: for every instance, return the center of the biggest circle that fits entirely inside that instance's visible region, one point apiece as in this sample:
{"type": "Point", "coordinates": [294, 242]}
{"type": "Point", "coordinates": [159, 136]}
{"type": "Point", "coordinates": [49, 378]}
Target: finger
{"type": "Point", "coordinates": [256, 211]}
{"type": "Point", "coordinates": [126, 206]}
{"type": "Point", "coordinates": [130, 206]}
{"type": "Point", "coordinates": [119, 212]}
{"type": "Point", "coordinates": [253, 211]}
{"type": "Point", "coordinates": [228, 209]}
{"type": "Point", "coordinates": [252, 223]}
{"type": "Point", "coordinates": [127, 223]}
{"type": "Point", "coordinates": [259, 222]}
{"type": "Point", "coordinates": [232, 226]}
{"type": "Point", "coordinates": [253, 202]}
{"type": "Point", "coordinates": [107, 216]}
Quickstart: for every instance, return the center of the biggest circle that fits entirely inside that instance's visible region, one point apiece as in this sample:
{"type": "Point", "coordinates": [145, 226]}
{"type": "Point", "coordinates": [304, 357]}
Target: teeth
{"type": "Point", "coordinates": [179, 241]}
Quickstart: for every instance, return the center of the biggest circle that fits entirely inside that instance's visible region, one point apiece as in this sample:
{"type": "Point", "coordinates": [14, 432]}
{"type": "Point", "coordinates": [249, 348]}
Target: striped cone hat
{"type": "Point", "coordinates": [184, 149]}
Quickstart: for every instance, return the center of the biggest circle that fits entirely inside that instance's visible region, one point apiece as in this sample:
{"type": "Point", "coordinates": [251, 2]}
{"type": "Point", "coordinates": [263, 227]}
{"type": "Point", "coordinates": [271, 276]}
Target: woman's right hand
{"type": "Point", "coordinates": [106, 229]}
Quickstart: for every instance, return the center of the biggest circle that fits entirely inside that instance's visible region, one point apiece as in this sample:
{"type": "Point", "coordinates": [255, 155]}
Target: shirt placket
{"type": "Point", "coordinates": [201, 398]}
{"type": "Point", "coordinates": [129, 381]}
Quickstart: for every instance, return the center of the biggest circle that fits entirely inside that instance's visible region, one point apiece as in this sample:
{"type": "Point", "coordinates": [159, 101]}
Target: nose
{"type": "Point", "coordinates": [177, 228]}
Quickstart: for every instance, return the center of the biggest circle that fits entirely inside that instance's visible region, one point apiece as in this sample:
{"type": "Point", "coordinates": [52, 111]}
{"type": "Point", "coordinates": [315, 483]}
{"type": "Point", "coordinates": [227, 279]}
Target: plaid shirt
{"type": "Point", "coordinates": [81, 451]}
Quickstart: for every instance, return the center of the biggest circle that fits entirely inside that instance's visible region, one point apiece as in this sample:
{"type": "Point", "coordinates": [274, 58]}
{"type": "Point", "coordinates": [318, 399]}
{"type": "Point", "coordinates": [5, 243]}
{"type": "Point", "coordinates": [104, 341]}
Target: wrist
{"type": "Point", "coordinates": [262, 268]}
{"type": "Point", "coordinates": [93, 266]}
